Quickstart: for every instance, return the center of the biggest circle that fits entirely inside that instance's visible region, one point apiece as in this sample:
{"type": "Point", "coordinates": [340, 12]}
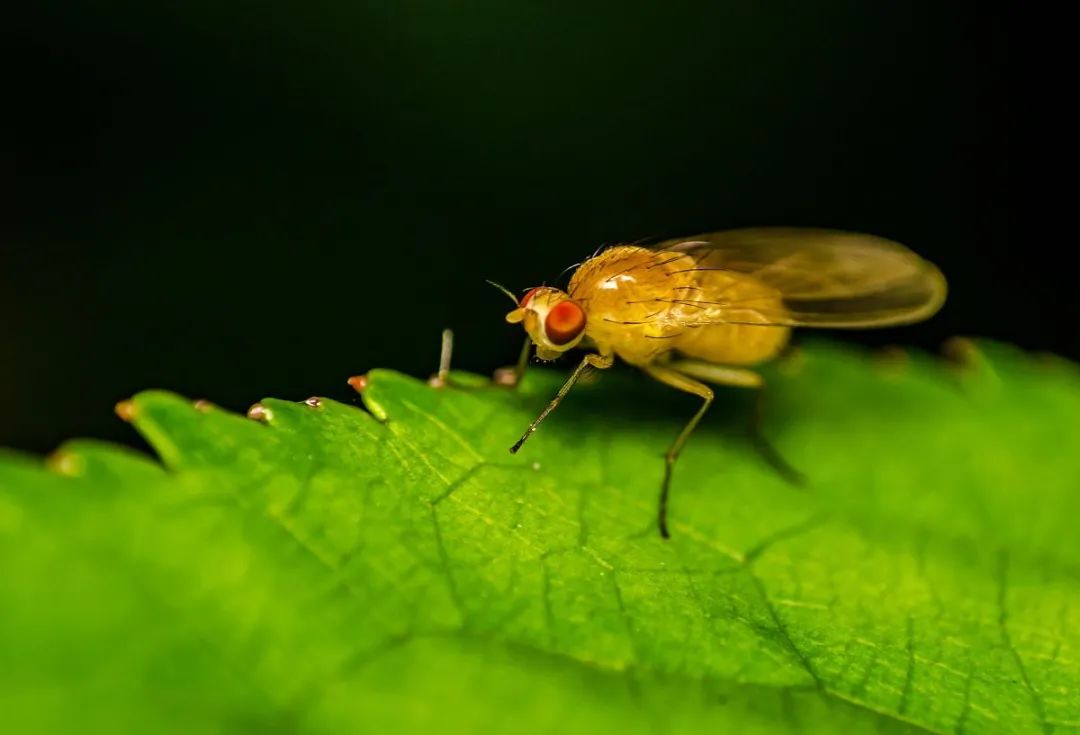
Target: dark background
{"type": "Point", "coordinates": [234, 200]}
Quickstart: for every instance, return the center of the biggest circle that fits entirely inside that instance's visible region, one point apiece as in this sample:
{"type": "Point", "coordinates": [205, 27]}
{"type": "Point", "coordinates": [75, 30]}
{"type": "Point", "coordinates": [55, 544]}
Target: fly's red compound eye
{"type": "Point", "coordinates": [527, 297]}
{"type": "Point", "coordinates": [564, 322]}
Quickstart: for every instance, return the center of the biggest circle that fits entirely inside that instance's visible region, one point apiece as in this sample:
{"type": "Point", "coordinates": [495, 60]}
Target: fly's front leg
{"type": "Point", "coordinates": [440, 379]}
{"type": "Point", "coordinates": [511, 376]}
{"type": "Point", "coordinates": [600, 362]}
{"type": "Point", "coordinates": [446, 350]}
{"type": "Point", "coordinates": [742, 378]}
{"type": "Point", "coordinates": [508, 376]}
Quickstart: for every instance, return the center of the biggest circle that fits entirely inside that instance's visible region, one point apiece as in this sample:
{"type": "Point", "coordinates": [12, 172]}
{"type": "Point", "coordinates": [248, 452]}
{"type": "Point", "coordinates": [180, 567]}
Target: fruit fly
{"type": "Point", "coordinates": [705, 309]}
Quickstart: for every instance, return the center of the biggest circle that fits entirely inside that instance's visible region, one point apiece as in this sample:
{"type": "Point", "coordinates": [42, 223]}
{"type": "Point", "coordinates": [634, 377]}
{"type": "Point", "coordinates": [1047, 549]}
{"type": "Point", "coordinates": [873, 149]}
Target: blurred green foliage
{"type": "Point", "coordinates": [334, 570]}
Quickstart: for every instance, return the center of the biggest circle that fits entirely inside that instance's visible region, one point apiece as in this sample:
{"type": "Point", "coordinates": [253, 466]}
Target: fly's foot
{"type": "Point", "coordinates": [441, 379]}
{"type": "Point", "coordinates": [508, 376]}
{"type": "Point", "coordinates": [776, 461]}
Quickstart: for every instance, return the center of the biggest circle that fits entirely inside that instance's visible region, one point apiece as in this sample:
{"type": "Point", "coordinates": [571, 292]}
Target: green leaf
{"type": "Point", "coordinates": [335, 570]}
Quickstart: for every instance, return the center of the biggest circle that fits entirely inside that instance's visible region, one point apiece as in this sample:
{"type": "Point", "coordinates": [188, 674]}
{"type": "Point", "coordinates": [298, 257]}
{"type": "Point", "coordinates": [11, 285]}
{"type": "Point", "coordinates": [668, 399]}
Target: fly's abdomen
{"type": "Point", "coordinates": [728, 304]}
{"type": "Point", "coordinates": [733, 344]}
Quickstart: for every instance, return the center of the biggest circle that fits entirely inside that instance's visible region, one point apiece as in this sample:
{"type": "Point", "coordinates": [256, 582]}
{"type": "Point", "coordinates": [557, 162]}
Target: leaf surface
{"type": "Point", "coordinates": [333, 569]}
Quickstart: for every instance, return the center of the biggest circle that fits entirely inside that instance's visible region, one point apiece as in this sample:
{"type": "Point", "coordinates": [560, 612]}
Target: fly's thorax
{"type": "Point", "coordinates": [554, 321]}
{"type": "Point", "coordinates": [628, 281]}
{"type": "Point", "coordinates": [628, 293]}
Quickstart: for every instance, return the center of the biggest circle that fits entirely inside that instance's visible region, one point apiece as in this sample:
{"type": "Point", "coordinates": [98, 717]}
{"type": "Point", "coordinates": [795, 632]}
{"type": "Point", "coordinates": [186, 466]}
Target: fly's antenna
{"type": "Point", "coordinates": [505, 290]}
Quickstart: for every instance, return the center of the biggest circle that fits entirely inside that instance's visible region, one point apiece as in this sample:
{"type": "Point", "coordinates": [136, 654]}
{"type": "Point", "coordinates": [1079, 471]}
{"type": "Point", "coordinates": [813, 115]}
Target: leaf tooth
{"type": "Point", "coordinates": [892, 361]}
{"type": "Point", "coordinates": [126, 410]}
{"type": "Point", "coordinates": [962, 352]}
{"type": "Point", "coordinates": [792, 362]}
{"type": "Point", "coordinates": [65, 463]}
{"type": "Point", "coordinates": [259, 412]}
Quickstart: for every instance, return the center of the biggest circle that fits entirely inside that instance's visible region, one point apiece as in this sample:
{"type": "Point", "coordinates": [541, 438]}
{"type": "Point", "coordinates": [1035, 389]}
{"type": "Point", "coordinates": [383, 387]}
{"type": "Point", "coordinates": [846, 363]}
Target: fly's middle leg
{"type": "Point", "coordinates": [446, 351]}
{"type": "Point", "coordinates": [687, 384]}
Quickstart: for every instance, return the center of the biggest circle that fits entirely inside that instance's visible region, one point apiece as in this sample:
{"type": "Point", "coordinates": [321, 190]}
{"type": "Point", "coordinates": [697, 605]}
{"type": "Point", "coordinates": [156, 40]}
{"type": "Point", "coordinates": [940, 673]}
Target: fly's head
{"type": "Point", "coordinates": [554, 321]}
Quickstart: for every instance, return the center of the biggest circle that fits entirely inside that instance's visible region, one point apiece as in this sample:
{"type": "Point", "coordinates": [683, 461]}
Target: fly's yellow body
{"type": "Point", "coordinates": [704, 308]}
{"type": "Point", "coordinates": [643, 304]}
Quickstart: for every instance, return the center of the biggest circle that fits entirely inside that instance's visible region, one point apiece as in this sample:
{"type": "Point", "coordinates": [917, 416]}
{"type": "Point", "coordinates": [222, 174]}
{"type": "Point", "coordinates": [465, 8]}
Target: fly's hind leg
{"type": "Point", "coordinates": [743, 378]}
{"type": "Point", "coordinates": [765, 447]}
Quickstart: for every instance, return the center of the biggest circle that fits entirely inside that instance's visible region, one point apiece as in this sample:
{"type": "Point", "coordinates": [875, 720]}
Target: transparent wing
{"type": "Point", "coordinates": [823, 278]}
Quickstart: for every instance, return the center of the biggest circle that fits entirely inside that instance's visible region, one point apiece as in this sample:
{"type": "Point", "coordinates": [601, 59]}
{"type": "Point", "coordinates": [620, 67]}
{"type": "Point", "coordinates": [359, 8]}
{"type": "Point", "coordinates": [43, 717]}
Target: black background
{"type": "Point", "coordinates": [234, 200]}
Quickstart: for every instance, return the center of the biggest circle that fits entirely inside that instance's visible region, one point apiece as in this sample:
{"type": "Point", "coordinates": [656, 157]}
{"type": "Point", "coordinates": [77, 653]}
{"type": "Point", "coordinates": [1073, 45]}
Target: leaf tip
{"type": "Point", "coordinates": [359, 383]}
